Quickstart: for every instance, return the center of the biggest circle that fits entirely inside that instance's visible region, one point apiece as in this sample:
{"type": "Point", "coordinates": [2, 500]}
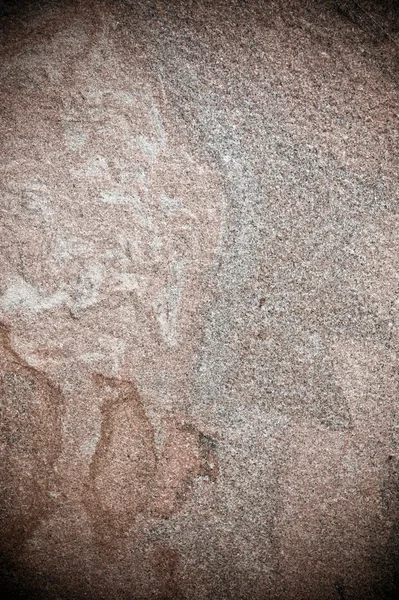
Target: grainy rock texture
{"type": "Point", "coordinates": [199, 299]}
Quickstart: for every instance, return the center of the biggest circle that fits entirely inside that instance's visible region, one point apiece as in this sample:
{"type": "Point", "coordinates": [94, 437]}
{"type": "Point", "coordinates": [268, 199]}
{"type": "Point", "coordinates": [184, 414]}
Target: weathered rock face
{"type": "Point", "coordinates": [199, 299]}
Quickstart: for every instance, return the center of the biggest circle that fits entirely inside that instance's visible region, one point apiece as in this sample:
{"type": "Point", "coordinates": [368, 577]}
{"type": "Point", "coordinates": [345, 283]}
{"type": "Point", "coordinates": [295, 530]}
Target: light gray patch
{"type": "Point", "coordinates": [111, 197]}
{"type": "Point", "coordinates": [170, 205]}
{"type": "Point", "coordinates": [23, 296]}
{"type": "Point", "coordinates": [86, 291]}
{"type": "Point", "coordinates": [167, 306]}
{"type": "Point", "coordinates": [75, 135]}
{"type": "Point", "coordinates": [95, 167]}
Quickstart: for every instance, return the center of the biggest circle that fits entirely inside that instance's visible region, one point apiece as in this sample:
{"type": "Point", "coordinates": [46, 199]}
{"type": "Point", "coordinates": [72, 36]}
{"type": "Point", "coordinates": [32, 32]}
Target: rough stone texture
{"type": "Point", "coordinates": [199, 299]}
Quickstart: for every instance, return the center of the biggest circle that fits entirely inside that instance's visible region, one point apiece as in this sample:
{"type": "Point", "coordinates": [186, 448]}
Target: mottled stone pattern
{"type": "Point", "coordinates": [199, 299]}
{"type": "Point", "coordinates": [30, 446]}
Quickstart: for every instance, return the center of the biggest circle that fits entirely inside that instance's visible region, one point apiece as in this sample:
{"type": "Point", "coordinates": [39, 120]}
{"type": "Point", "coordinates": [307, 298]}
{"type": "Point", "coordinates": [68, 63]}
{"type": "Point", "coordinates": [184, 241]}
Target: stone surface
{"type": "Point", "coordinates": [199, 299]}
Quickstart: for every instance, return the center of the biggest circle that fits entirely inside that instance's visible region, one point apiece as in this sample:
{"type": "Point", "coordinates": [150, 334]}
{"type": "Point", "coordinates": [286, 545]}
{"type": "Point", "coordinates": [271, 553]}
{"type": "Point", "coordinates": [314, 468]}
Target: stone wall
{"type": "Point", "coordinates": [199, 299]}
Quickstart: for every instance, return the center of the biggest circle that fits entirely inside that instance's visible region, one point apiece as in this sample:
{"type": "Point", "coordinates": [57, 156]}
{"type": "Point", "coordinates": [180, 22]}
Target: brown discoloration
{"type": "Point", "coordinates": [186, 454]}
{"type": "Point", "coordinates": [124, 464]}
{"type": "Point", "coordinates": [30, 445]}
{"type": "Point", "coordinates": [128, 476]}
{"type": "Point", "coordinates": [165, 563]}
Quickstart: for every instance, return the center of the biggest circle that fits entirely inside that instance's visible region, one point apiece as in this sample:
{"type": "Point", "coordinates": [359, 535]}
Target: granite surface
{"type": "Point", "coordinates": [199, 299]}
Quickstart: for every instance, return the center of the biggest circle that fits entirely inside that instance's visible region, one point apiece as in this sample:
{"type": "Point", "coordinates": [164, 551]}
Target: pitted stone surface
{"type": "Point", "coordinates": [199, 299]}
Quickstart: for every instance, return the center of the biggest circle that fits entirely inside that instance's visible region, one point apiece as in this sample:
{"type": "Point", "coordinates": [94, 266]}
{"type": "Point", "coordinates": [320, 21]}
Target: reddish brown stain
{"type": "Point", "coordinates": [30, 438]}
{"type": "Point", "coordinates": [124, 464]}
{"type": "Point", "coordinates": [128, 476]}
{"type": "Point", "coordinates": [186, 455]}
{"type": "Point", "coordinates": [165, 562]}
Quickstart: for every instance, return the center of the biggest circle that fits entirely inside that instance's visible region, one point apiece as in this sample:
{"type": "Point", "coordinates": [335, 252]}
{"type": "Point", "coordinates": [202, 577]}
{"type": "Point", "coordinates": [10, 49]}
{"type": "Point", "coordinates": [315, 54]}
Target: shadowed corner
{"type": "Point", "coordinates": [20, 583]}
{"type": "Point", "coordinates": [386, 557]}
{"type": "Point", "coordinates": [30, 429]}
{"type": "Point", "coordinates": [15, 14]}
